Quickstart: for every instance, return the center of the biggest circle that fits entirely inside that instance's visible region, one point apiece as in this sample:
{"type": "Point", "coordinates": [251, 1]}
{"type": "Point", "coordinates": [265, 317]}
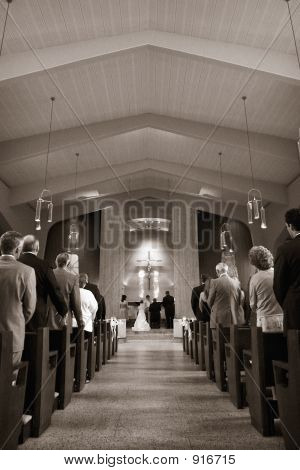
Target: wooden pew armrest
{"type": "Point", "coordinates": [281, 373]}
{"type": "Point", "coordinates": [53, 359]}
{"type": "Point", "coordinates": [22, 374]}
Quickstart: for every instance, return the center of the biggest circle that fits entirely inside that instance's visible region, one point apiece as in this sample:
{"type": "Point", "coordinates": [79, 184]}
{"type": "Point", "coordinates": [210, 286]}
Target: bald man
{"type": "Point", "coordinates": [46, 284]}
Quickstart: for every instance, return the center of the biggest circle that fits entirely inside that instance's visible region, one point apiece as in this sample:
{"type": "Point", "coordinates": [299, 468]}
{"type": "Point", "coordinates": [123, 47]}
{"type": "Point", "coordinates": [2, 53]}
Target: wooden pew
{"type": "Point", "coordinates": [208, 353]}
{"type": "Point", "coordinates": [287, 383]}
{"type": "Point", "coordinates": [12, 396]}
{"type": "Point", "coordinates": [108, 340]}
{"type": "Point", "coordinates": [190, 339]}
{"type": "Point", "coordinates": [265, 347]}
{"type": "Point", "coordinates": [200, 344]}
{"type": "Point", "coordinates": [91, 356]}
{"type": "Point", "coordinates": [183, 338]}
{"type": "Point", "coordinates": [80, 359]}
{"type": "Point", "coordinates": [104, 341]}
{"type": "Point", "coordinates": [98, 334]}
{"type": "Point", "coordinates": [195, 338]}
{"type": "Point", "coordinates": [222, 337]}
{"type": "Point", "coordinates": [240, 339]}
{"type": "Point", "coordinates": [60, 341]}
{"type": "Point", "coordinates": [117, 339]}
{"type": "Point", "coordinates": [41, 379]}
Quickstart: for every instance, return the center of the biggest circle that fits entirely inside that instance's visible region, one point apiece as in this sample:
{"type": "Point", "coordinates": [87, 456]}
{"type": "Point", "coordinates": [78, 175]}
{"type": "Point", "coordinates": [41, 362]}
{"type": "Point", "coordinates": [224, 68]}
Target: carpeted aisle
{"type": "Point", "coordinates": [151, 396]}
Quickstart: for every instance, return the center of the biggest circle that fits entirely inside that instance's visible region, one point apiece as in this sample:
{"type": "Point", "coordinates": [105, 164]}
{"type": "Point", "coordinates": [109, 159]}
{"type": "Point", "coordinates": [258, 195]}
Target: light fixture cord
{"type": "Point", "coordinates": [293, 30]}
{"type": "Point", "coordinates": [221, 181]}
{"type": "Point", "coordinates": [49, 141]}
{"type": "Point", "coordinates": [76, 174]}
{"type": "Point", "coordinates": [249, 147]}
{"type": "Point", "coordinates": [4, 27]}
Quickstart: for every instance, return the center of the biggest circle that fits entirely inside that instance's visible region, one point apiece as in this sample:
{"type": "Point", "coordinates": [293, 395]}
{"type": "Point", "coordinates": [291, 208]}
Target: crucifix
{"type": "Point", "coordinates": [149, 266]}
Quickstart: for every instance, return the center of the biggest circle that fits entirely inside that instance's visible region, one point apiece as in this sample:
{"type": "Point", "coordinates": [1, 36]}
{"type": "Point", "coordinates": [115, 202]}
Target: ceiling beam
{"type": "Point", "coordinates": [281, 65]}
{"type": "Point", "coordinates": [29, 147]}
{"type": "Point", "coordinates": [99, 177]}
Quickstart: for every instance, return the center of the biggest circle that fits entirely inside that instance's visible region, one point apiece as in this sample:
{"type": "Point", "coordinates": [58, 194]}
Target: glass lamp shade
{"type": "Point", "coordinates": [255, 208]}
{"type": "Point", "coordinates": [263, 218]}
{"type": "Point", "coordinates": [38, 226]}
{"type": "Point", "coordinates": [38, 210]}
{"type": "Point", "coordinates": [250, 213]}
{"type": "Point", "coordinates": [50, 212]}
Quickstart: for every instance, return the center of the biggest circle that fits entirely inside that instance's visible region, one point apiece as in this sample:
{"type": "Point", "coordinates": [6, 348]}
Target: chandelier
{"type": "Point", "coordinates": [255, 208]}
{"type": "Point", "coordinates": [226, 238]}
{"type": "Point", "coordinates": [45, 198]}
{"type": "Point", "coordinates": [73, 237]}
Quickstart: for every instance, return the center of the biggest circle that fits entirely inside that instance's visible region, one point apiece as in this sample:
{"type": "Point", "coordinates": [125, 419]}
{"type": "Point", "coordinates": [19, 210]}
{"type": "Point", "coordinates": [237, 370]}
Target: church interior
{"type": "Point", "coordinates": [149, 224]}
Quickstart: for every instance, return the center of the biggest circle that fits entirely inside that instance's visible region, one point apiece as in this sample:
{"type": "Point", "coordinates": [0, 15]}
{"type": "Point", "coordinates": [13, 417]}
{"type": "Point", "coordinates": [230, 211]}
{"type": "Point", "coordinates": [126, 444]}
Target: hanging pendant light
{"type": "Point", "coordinates": [73, 237]}
{"type": "Point", "coordinates": [5, 24]}
{"type": "Point", "coordinates": [255, 208]}
{"type": "Point", "coordinates": [226, 239]}
{"type": "Point", "coordinates": [45, 197]}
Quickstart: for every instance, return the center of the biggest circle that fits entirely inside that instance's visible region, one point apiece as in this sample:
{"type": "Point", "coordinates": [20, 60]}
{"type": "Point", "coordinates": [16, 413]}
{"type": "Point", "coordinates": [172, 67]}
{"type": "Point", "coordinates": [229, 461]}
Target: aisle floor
{"type": "Point", "coordinates": [151, 396]}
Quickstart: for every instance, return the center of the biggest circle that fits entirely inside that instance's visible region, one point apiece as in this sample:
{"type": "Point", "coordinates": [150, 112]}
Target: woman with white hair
{"type": "Point", "coordinates": [263, 303]}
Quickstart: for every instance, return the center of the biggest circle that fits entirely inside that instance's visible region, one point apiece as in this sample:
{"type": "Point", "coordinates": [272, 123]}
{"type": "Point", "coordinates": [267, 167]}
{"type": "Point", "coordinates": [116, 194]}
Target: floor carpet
{"type": "Point", "coordinates": [151, 396]}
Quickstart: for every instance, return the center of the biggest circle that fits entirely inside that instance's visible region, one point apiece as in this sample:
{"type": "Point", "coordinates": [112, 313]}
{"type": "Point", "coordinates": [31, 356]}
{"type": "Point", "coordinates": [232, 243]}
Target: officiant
{"type": "Point", "coordinates": [154, 311]}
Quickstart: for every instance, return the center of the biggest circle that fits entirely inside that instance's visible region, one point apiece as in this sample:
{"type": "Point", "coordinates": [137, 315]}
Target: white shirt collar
{"type": "Point", "coordinates": [8, 256]}
{"type": "Point", "coordinates": [223, 274]}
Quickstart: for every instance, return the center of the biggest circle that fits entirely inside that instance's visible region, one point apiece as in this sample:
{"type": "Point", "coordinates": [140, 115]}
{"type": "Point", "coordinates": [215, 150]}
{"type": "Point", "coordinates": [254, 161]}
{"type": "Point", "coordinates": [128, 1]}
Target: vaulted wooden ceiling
{"type": "Point", "coordinates": [149, 87]}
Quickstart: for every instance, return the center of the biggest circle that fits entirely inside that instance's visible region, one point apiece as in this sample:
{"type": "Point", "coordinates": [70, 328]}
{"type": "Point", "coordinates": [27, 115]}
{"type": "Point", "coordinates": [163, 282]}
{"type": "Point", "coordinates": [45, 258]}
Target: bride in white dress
{"type": "Point", "coordinates": [141, 323]}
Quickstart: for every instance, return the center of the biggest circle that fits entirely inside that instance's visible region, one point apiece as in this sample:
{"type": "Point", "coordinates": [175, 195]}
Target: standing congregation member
{"type": "Point", "coordinates": [46, 285]}
{"type": "Point", "coordinates": [287, 272]}
{"type": "Point", "coordinates": [195, 299]}
{"type": "Point", "coordinates": [17, 292]}
{"type": "Point", "coordinates": [225, 299]}
{"type": "Point", "coordinates": [69, 287]}
{"type": "Point", "coordinates": [89, 307]}
{"type": "Point", "coordinates": [101, 312]}
{"type": "Point", "coordinates": [263, 303]}
{"type": "Point", "coordinates": [203, 305]}
{"type": "Point", "coordinates": [169, 306]}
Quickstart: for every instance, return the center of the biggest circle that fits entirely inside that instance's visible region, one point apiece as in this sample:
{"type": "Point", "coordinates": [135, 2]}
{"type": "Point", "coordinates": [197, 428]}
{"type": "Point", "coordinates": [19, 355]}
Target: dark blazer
{"type": "Point", "coordinates": [195, 300]}
{"type": "Point", "coordinates": [169, 304]}
{"type": "Point", "coordinates": [46, 285]}
{"type": "Point", "coordinates": [287, 281]}
{"type": "Point", "coordinates": [154, 310]}
{"type": "Point", "coordinates": [17, 298]}
{"type": "Point", "coordinates": [101, 312]}
{"type": "Point", "coordinates": [69, 286]}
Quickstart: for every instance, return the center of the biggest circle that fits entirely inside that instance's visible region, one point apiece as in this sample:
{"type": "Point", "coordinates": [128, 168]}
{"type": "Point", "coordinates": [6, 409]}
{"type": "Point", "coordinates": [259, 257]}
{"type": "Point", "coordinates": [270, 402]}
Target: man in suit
{"type": "Point", "coordinates": [224, 299]}
{"type": "Point", "coordinates": [169, 306]}
{"type": "Point", "coordinates": [287, 272]}
{"type": "Point", "coordinates": [46, 284]}
{"type": "Point", "coordinates": [195, 299]}
{"type": "Point", "coordinates": [69, 287]}
{"type": "Point", "coordinates": [93, 288]}
{"type": "Point", "coordinates": [17, 292]}
{"type": "Point", "coordinates": [154, 313]}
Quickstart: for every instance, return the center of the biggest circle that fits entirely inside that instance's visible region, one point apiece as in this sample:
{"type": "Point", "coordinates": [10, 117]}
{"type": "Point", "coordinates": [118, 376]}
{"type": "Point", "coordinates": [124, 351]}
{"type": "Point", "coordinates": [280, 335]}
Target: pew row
{"type": "Point", "coordinates": [12, 394]}
{"type": "Point", "coordinates": [60, 341]}
{"type": "Point", "coordinates": [222, 335]}
{"type": "Point", "coordinates": [208, 353]}
{"type": "Point", "coordinates": [200, 344]}
{"type": "Point", "coordinates": [265, 347]}
{"type": "Point", "coordinates": [80, 359]}
{"type": "Point", "coordinates": [240, 337]}
{"type": "Point", "coordinates": [40, 389]}
{"type": "Point", "coordinates": [287, 383]}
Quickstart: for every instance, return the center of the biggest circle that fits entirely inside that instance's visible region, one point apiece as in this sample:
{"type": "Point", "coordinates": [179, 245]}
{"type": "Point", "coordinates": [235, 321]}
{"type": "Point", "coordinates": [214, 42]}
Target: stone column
{"type": "Point", "coordinates": [186, 259]}
{"type": "Point", "coordinates": [112, 260]}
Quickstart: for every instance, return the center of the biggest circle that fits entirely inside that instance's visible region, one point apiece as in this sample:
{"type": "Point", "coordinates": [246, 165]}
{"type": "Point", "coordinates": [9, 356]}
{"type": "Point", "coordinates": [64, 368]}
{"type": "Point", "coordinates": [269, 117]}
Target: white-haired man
{"type": "Point", "coordinates": [225, 299]}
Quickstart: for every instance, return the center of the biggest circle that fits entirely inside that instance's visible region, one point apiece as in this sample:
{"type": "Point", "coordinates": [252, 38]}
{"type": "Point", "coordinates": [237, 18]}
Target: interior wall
{"type": "Point", "coordinates": [209, 227]}
{"type": "Point", "coordinates": [89, 243]}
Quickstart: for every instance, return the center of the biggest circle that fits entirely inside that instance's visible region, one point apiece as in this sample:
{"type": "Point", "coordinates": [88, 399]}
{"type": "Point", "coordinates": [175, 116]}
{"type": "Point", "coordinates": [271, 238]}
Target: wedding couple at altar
{"type": "Point", "coordinates": [147, 312]}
